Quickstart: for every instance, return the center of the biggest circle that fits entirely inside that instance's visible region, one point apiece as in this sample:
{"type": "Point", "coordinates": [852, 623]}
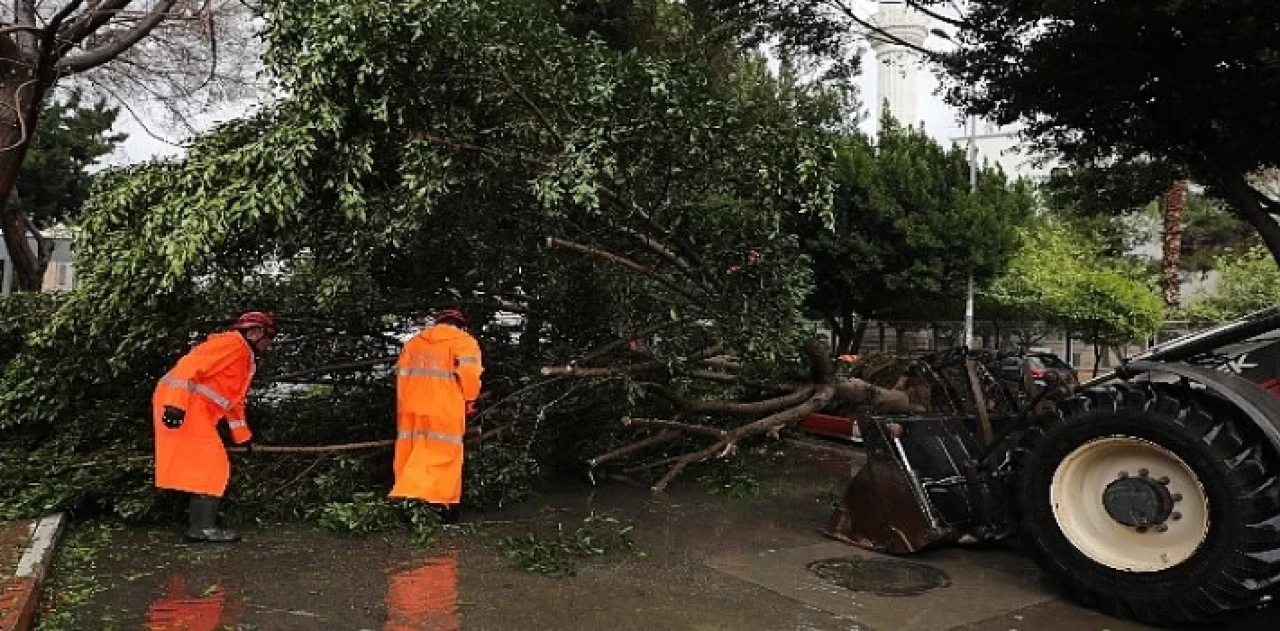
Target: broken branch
{"type": "Point", "coordinates": [664, 437]}
{"type": "Point", "coordinates": [674, 425]}
{"type": "Point", "coordinates": [626, 263]}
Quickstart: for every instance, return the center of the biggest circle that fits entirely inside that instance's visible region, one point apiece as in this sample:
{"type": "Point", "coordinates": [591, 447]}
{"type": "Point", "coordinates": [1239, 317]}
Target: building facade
{"type": "Point", "coordinates": [59, 276]}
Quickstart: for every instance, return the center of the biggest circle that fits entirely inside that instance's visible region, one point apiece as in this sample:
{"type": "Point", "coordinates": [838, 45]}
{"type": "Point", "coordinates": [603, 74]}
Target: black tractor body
{"type": "Point", "coordinates": [1152, 492]}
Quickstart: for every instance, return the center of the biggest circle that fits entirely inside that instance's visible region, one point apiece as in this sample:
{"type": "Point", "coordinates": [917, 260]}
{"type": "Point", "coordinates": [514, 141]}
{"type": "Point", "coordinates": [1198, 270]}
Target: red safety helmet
{"type": "Point", "coordinates": [255, 320]}
{"type": "Point", "coordinates": [451, 313]}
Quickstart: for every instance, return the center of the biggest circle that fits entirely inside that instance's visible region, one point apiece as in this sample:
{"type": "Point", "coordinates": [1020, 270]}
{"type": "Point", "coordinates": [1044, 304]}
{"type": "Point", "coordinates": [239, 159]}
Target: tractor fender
{"type": "Point", "coordinates": [1259, 405]}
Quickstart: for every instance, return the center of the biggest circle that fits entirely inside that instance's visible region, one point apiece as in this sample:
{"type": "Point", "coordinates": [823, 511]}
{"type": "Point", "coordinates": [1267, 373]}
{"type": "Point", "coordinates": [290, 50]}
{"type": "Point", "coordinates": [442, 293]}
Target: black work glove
{"type": "Point", "coordinates": [173, 417]}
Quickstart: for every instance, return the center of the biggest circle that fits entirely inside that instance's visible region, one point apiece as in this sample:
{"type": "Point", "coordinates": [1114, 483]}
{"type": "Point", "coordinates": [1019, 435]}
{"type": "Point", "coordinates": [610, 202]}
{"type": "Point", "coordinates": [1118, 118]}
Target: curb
{"type": "Point", "coordinates": [20, 594]}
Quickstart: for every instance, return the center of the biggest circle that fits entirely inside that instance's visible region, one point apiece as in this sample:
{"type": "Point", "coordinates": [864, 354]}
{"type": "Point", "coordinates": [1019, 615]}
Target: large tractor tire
{"type": "Point", "coordinates": [1152, 502]}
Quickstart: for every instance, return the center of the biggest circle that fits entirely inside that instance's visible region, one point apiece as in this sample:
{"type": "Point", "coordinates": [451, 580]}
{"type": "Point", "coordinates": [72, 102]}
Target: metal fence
{"type": "Point", "coordinates": [917, 338]}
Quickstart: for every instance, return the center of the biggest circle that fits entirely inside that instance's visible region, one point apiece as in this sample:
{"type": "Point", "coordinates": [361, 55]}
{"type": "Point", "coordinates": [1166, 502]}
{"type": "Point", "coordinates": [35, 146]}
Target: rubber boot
{"type": "Point", "coordinates": [202, 518]}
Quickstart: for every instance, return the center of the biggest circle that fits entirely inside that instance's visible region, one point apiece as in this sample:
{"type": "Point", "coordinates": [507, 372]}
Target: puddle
{"type": "Point", "coordinates": [882, 577]}
{"type": "Point", "coordinates": [425, 598]}
{"type": "Point", "coordinates": [178, 609]}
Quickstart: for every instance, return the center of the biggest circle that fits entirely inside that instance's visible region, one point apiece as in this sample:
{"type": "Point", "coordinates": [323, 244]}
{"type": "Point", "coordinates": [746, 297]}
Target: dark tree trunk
{"type": "Point", "coordinates": [844, 331]}
{"type": "Point", "coordinates": [859, 334]}
{"type": "Point", "coordinates": [20, 96]}
{"type": "Point", "coordinates": [1258, 211]}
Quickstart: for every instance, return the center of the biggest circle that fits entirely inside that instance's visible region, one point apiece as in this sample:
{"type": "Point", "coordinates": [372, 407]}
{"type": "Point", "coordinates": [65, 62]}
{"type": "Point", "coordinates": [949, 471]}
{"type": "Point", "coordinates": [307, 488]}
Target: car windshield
{"type": "Point", "coordinates": [1047, 362]}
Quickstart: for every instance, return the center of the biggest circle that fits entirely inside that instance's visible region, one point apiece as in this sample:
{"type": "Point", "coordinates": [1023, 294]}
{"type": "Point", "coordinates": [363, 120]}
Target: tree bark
{"type": "Point", "coordinates": [1256, 209]}
{"type": "Point", "coordinates": [19, 112]}
{"type": "Point", "coordinates": [859, 333]}
{"type": "Point", "coordinates": [1174, 204]}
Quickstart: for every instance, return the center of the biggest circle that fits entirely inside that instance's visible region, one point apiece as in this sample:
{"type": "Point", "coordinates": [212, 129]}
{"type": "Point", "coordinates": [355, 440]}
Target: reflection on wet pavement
{"type": "Point", "coordinates": [178, 609]}
{"type": "Point", "coordinates": [425, 598]}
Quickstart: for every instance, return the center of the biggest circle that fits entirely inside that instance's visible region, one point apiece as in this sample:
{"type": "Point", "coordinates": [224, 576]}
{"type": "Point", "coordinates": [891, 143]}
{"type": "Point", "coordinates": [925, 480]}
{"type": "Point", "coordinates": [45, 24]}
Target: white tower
{"type": "Point", "coordinates": [897, 65]}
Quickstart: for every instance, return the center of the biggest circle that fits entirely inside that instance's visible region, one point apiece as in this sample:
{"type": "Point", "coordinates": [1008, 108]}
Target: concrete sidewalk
{"type": "Point", "coordinates": [26, 552]}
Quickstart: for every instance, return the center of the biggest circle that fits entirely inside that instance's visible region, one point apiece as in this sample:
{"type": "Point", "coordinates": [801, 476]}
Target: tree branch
{"type": "Point", "coordinates": [849, 13]}
{"type": "Point", "coordinates": [628, 369]}
{"type": "Point", "coordinates": [1252, 205]}
{"type": "Point", "coordinates": [727, 446]}
{"type": "Point", "coordinates": [687, 428]}
{"type": "Point", "coordinates": [628, 264]}
{"type": "Point", "coordinates": [107, 52]}
{"type": "Point", "coordinates": [664, 251]}
{"type": "Point", "coordinates": [92, 20]}
{"type": "Point", "coordinates": [664, 437]}
{"type": "Point", "coordinates": [617, 344]}
{"type": "Point", "coordinates": [768, 406]}
{"type": "Point", "coordinates": [920, 6]}
{"type": "Point", "coordinates": [627, 205]}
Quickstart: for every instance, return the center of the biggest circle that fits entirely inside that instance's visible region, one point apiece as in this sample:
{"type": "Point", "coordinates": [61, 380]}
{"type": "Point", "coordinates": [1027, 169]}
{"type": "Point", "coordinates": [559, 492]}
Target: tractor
{"type": "Point", "coordinates": [1151, 492]}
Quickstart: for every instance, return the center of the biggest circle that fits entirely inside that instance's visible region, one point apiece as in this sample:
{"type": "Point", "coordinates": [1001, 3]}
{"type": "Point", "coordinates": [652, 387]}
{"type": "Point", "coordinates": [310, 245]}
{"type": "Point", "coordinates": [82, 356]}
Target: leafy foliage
{"type": "Point", "coordinates": [1250, 281]}
{"type": "Point", "coordinates": [1059, 277]}
{"type": "Point", "coordinates": [365, 513]}
{"type": "Point", "coordinates": [600, 534]}
{"type": "Point", "coordinates": [1211, 231]}
{"type": "Point", "coordinates": [731, 479]}
{"type": "Point", "coordinates": [1185, 84]}
{"type": "Point", "coordinates": [908, 231]}
{"type": "Point", "coordinates": [72, 136]}
{"type": "Point", "coordinates": [428, 153]}
{"type": "Point", "coordinates": [1107, 200]}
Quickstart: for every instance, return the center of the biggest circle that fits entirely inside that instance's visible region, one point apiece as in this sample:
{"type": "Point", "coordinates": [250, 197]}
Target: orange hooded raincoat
{"type": "Point", "coordinates": [210, 383]}
{"type": "Point", "coordinates": [437, 376]}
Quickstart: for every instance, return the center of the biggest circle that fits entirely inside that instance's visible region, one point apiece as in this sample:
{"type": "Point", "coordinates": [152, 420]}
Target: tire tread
{"type": "Point", "coordinates": [1251, 568]}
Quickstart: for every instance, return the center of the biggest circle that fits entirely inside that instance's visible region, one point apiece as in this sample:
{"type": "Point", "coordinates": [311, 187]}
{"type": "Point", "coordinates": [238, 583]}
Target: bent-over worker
{"type": "Point", "coordinates": [437, 382]}
{"type": "Point", "coordinates": [208, 385]}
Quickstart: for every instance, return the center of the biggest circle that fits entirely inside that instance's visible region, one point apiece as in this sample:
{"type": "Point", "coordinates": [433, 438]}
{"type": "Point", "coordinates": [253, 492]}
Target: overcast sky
{"type": "Point", "coordinates": [939, 120]}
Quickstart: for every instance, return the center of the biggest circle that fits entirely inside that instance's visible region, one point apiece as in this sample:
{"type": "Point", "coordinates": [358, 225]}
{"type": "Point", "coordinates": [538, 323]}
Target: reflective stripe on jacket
{"type": "Point", "coordinates": [437, 374]}
{"type": "Point", "coordinates": [210, 383]}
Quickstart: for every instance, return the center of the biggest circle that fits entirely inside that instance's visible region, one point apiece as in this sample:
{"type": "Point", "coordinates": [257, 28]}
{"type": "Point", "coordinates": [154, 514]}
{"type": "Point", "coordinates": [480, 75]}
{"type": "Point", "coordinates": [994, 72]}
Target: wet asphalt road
{"type": "Point", "coordinates": [710, 563]}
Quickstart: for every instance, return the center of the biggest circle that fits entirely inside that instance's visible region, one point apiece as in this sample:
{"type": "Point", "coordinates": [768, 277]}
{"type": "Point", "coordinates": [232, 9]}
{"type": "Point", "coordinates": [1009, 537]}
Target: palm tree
{"type": "Point", "coordinates": [1174, 206]}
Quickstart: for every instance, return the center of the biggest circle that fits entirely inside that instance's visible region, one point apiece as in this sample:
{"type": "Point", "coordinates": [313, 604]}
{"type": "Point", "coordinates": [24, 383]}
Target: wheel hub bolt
{"type": "Point", "coordinates": [1162, 528]}
{"type": "Point", "coordinates": [1164, 479]}
{"type": "Point", "coordinates": [1143, 472]}
{"type": "Point", "coordinates": [1177, 497]}
{"type": "Point", "coordinates": [1142, 529]}
{"type": "Point", "coordinates": [1175, 516]}
{"type": "Point", "coordinates": [1123, 475]}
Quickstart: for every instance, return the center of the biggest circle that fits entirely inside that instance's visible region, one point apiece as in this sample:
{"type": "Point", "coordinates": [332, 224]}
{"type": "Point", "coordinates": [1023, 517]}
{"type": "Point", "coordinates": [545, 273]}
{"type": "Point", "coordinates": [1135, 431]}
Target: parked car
{"type": "Point", "coordinates": [1026, 373]}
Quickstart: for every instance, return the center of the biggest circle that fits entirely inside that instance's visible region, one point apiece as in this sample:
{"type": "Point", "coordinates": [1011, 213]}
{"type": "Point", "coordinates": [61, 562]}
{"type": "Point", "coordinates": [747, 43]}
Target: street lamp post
{"type": "Point", "coordinates": [973, 186]}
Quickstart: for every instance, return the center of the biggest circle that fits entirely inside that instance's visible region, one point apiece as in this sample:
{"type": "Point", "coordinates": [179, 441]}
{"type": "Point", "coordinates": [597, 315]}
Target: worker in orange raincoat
{"type": "Point", "coordinates": [206, 387]}
{"type": "Point", "coordinates": [437, 382]}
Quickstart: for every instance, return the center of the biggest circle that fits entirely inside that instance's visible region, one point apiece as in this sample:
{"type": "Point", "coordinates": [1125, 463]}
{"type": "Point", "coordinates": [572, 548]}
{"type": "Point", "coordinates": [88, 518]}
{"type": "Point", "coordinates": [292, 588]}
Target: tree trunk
{"type": "Point", "coordinates": [19, 111]}
{"type": "Point", "coordinates": [1259, 213]}
{"type": "Point", "coordinates": [846, 331]}
{"type": "Point", "coordinates": [1175, 205]}
{"type": "Point", "coordinates": [859, 334]}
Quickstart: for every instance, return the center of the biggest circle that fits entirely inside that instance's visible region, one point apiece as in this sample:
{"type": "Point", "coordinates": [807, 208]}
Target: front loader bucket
{"type": "Point", "coordinates": [885, 507]}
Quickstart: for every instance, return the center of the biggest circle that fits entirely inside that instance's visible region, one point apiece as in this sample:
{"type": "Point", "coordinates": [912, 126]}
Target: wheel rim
{"type": "Point", "coordinates": [1085, 476]}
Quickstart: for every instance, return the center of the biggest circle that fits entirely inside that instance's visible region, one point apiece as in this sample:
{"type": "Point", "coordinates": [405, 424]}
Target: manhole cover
{"type": "Point", "coordinates": [882, 577]}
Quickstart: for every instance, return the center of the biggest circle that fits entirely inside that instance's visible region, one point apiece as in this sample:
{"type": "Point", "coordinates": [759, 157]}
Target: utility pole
{"type": "Point", "coordinates": [973, 187]}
